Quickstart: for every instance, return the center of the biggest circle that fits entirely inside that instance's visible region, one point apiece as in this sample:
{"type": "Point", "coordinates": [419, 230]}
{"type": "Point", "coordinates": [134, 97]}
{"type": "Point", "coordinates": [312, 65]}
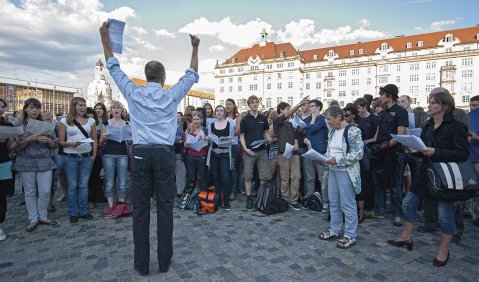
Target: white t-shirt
{"type": "Point", "coordinates": [74, 135]}
{"type": "Point", "coordinates": [336, 147]}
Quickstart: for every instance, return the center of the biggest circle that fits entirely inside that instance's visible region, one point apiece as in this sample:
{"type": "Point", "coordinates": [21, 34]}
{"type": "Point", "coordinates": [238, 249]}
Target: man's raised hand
{"type": "Point", "coordinates": [104, 32]}
{"type": "Point", "coordinates": [195, 41]}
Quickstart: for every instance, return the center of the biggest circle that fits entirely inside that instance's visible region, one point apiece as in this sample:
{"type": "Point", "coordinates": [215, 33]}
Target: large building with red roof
{"type": "Point", "coordinates": [416, 64]}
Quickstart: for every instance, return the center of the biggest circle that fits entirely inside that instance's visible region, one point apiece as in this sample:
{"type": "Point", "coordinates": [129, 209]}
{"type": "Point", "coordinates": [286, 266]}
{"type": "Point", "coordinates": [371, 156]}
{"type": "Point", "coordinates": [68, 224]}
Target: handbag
{"type": "Point", "coordinates": [119, 209]}
{"type": "Point", "coordinates": [452, 181]}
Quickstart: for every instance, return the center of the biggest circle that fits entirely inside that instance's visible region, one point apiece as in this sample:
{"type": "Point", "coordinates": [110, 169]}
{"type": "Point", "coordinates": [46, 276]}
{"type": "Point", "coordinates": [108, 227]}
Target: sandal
{"type": "Point", "coordinates": [31, 226]}
{"type": "Point", "coordinates": [48, 222]}
{"type": "Point", "coordinates": [328, 235]}
{"type": "Point", "coordinates": [345, 243]}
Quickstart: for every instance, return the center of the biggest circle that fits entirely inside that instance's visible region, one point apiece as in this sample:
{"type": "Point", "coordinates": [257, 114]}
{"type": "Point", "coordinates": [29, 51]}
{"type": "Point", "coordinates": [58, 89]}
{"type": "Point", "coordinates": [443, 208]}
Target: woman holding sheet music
{"type": "Point", "coordinates": [196, 159]}
{"type": "Point", "coordinates": [115, 156]}
{"type": "Point", "coordinates": [35, 164]}
{"type": "Point", "coordinates": [79, 149]}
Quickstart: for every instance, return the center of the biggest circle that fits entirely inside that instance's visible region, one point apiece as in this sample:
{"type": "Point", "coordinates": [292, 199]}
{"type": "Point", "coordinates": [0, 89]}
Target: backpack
{"type": "Point", "coordinates": [119, 209]}
{"type": "Point", "coordinates": [185, 198]}
{"type": "Point", "coordinates": [269, 200]}
{"type": "Point", "coordinates": [365, 161]}
{"type": "Point", "coordinates": [206, 201]}
{"type": "Point", "coordinates": [313, 202]}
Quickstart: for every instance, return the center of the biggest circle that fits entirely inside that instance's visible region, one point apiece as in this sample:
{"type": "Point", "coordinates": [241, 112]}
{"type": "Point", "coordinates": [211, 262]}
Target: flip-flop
{"type": "Point", "coordinates": [50, 222]}
{"type": "Point", "coordinates": [31, 226]}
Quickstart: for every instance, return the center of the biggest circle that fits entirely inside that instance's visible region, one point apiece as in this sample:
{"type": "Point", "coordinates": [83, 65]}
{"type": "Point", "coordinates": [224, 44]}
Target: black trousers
{"type": "Point", "coordinates": [5, 188]}
{"type": "Point", "coordinates": [152, 173]}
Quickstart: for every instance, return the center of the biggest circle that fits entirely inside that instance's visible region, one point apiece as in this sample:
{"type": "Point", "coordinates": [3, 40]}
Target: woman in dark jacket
{"type": "Point", "coordinates": [446, 141]}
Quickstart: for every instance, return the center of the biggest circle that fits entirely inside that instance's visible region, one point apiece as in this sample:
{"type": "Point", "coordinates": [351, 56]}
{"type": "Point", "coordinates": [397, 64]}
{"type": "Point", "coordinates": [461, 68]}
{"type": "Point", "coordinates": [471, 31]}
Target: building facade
{"type": "Point", "coordinates": [99, 90]}
{"type": "Point", "coordinates": [54, 98]}
{"type": "Point", "coordinates": [193, 97]}
{"type": "Point", "coordinates": [416, 64]}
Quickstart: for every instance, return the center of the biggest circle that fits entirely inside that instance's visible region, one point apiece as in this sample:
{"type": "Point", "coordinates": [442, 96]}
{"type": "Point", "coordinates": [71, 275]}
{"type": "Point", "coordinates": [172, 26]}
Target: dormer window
{"type": "Point", "coordinates": [315, 57]}
{"type": "Point", "coordinates": [233, 60]}
{"type": "Point", "coordinates": [409, 45]}
{"type": "Point", "coordinates": [384, 47]}
{"type": "Point", "coordinates": [449, 38]}
{"type": "Point", "coordinates": [282, 54]}
{"type": "Point", "coordinates": [360, 51]}
{"type": "Point", "coordinates": [331, 53]}
{"type": "Point", "coordinates": [351, 52]}
{"type": "Point", "coordinates": [419, 44]}
{"type": "Point", "coordinates": [477, 36]}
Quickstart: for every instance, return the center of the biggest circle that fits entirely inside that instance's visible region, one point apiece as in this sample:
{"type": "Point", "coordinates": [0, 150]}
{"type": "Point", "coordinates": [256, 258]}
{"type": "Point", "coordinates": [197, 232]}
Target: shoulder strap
{"type": "Point", "coordinates": [345, 135]}
{"type": "Point", "coordinates": [81, 128]}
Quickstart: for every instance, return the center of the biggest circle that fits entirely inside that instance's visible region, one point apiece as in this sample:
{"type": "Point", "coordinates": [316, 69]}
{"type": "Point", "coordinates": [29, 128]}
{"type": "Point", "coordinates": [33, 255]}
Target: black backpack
{"type": "Point", "coordinates": [313, 202]}
{"type": "Point", "coordinates": [269, 200]}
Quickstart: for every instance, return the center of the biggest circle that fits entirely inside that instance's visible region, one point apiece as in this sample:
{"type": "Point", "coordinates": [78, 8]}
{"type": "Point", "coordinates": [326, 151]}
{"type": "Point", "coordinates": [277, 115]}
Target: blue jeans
{"type": "Point", "coordinates": [58, 159]}
{"type": "Point", "coordinates": [115, 165]}
{"type": "Point", "coordinates": [196, 167]}
{"type": "Point", "coordinates": [445, 209]}
{"type": "Point", "coordinates": [77, 171]}
{"type": "Point", "coordinates": [342, 200]}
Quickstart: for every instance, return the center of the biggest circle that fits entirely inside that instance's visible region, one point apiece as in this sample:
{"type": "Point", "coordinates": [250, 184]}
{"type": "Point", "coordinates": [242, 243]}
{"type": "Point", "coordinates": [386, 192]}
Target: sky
{"type": "Point", "coordinates": [58, 42]}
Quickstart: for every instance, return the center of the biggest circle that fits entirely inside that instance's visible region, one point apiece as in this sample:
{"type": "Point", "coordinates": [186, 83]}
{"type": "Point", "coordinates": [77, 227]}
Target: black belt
{"type": "Point", "coordinates": [82, 155]}
{"type": "Point", "coordinates": [152, 146]}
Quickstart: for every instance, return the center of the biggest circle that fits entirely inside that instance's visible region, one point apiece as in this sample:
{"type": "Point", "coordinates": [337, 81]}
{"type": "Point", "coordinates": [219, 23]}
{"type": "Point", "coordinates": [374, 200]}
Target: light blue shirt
{"type": "Point", "coordinates": [152, 108]}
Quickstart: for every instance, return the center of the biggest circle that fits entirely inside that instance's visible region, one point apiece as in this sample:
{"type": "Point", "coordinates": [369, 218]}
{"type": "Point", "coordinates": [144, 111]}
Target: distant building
{"type": "Point", "coordinates": [99, 90]}
{"type": "Point", "coordinates": [54, 98]}
{"type": "Point", "coordinates": [192, 98]}
{"type": "Point", "coordinates": [416, 64]}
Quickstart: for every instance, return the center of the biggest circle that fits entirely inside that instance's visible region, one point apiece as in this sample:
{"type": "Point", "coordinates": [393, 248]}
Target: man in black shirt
{"type": "Point", "coordinates": [392, 120]}
{"type": "Point", "coordinates": [254, 127]}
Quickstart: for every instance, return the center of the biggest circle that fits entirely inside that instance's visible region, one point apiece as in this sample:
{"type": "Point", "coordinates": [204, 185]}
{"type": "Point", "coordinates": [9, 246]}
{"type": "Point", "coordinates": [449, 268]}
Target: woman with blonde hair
{"type": "Point", "coordinates": [196, 160]}
{"type": "Point", "coordinates": [79, 149]}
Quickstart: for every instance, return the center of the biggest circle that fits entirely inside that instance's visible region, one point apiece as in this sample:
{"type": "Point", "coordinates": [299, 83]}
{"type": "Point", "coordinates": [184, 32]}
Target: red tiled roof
{"type": "Point", "coordinates": [269, 51]}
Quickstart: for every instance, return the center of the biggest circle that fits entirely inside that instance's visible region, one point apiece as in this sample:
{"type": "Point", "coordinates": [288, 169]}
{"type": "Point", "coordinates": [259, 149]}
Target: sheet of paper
{"type": "Point", "coordinates": [298, 122]}
{"type": "Point", "coordinates": [411, 141]}
{"type": "Point", "coordinates": [190, 139]}
{"type": "Point", "coordinates": [126, 133]}
{"type": "Point", "coordinates": [10, 132]}
{"type": "Point", "coordinates": [116, 28]}
{"type": "Point", "coordinates": [40, 127]}
{"type": "Point", "coordinates": [258, 143]}
{"type": "Point", "coordinates": [214, 138]}
{"type": "Point", "coordinates": [315, 156]}
{"type": "Point", "coordinates": [414, 131]}
{"type": "Point", "coordinates": [88, 140]}
{"type": "Point", "coordinates": [199, 145]}
{"type": "Point", "coordinates": [288, 151]}
{"type": "Point", "coordinates": [114, 133]}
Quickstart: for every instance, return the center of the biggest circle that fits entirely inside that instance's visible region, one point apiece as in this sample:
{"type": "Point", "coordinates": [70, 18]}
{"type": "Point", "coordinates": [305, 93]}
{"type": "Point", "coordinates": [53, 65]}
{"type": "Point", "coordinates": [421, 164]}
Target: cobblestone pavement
{"type": "Point", "coordinates": [225, 246]}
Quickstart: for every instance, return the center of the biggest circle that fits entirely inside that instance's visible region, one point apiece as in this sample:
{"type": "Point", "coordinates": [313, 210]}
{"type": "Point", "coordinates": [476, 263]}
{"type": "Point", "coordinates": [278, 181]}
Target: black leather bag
{"type": "Point", "coordinates": [452, 181]}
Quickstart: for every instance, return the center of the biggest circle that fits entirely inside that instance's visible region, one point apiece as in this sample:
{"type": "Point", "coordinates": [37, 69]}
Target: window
{"type": "Point", "coordinates": [230, 79]}
{"type": "Point", "coordinates": [290, 100]}
{"type": "Point", "coordinates": [414, 66]}
{"type": "Point", "coordinates": [231, 70]}
{"type": "Point", "coordinates": [329, 83]}
{"type": "Point", "coordinates": [449, 50]}
{"type": "Point", "coordinates": [466, 48]}
{"type": "Point", "coordinates": [230, 89]}
{"type": "Point", "coordinates": [414, 89]}
{"type": "Point", "coordinates": [279, 100]}
{"type": "Point", "coordinates": [398, 79]}
{"type": "Point", "coordinates": [383, 80]}
{"type": "Point", "coordinates": [255, 77]}
{"type": "Point", "coordinates": [240, 88]}
{"type": "Point", "coordinates": [269, 66]}
{"type": "Point", "coordinates": [290, 64]}
{"type": "Point", "coordinates": [268, 76]}
{"type": "Point", "coordinates": [268, 102]}
{"type": "Point", "coordinates": [384, 47]}
{"type": "Point", "coordinates": [328, 94]}
{"type": "Point", "coordinates": [430, 76]}
{"type": "Point", "coordinates": [355, 92]}
{"type": "Point", "coordinates": [253, 87]}
{"type": "Point", "coordinates": [355, 60]}
{"type": "Point", "coordinates": [331, 63]}
{"type": "Point", "coordinates": [222, 89]}
{"type": "Point", "coordinates": [449, 38]}
{"type": "Point", "coordinates": [279, 85]}
{"type": "Point", "coordinates": [429, 88]}
{"type": "Point", "coordinates": [467, 86]}
{"type": "Point", "coordinates": [414, 77]}
{"type": "Point", "coordinates": [318, 85]}
{"type": "Point", "coordinates": [308, 86]}
{"type": "Point", "coordinates": [430, 65]}
{"type": "Point", "coordinates": [315, 57]}
{"type": "Point", "coordinates": [331, 53]}
{"type": "Point", "coordinates": [466, 73]}
{"type": "Point", "coordinates": [279, 75]}
{"type": "Point", "coordinates": [467, 61]}
{"type": "Point", "coordinates": [342, 82]}
{"type": "Point", "coordinates": [355, 71]}
{"type": "Point", "coordinates": [449, 63]}
{"type": "Point", "coordinates": [409, 45]}
{"type": "Point", "coordinates": [307, 76]}
{"type": "Point", "coordinates": [369, 70]}
{"type": "Point", "coordinates": [222, 102]}
{"type": "Point", "coordinates": [240, 69]}
{"type": "Point", "coordinates": [268, 86]}
{"type": "Point", "coordinates": [279, 66]}
{"type": "Point", "coordinates": [465, 98]}
{"type": "Point", "coordinates": [222, 80]}
{"type": "Point", "coordinates": [351, 52]}
{"type": "Point", "coordinates": [290, 75]}
{"type": "Point", "coordinates": [341, 103]}
{"type": "Point", "coordinates": [330, 73]}
{"type": "Point", "coordinates": [342, 93]}
{"type": "Point", "coordinates": [398, 56]}
{"type": "Point", "coordinates": [342, 73]}
{"type": "Point", "coordinates": [318, 75]}
{"type": "Point", "coordinates": [370, 59]}
{"type": "Point", "coordinates": [222, 71]}
{"type": "Point", "coordinates": [290, 84]}
{"type": "Point", "coordinates": [355, 82]}
{"type": "Point", "coordinates": [398, 67]}
{"type": "Point", "coordinates": [431, 52]}
{"type": "Point", "coordinates": [240, 79]}
{"type": "Point", "coordinates": [413, 100]}
{"type": "Point", "coordinates": [360, 51]}
{"type": "Point", "coordinates": [253, 68]}
{"type": "Point", "coordinates": [368, 81]}
{"type": "Point", "coordinates": [448, 75]}
{"type": "Point", "coordinates": [419, 44]}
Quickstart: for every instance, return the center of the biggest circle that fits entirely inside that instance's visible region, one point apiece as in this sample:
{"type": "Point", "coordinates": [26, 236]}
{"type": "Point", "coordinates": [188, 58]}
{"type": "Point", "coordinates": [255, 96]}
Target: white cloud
{"type": "Point", "coordinates": [144, 43]}
{"type": "Point", "coordinates": [164, 33]}
{"type": "Point", "coordinates": [439, 25]}
{"type": "Point", "coordinates": [418, 28]}
{"type": "Point", "coordinates": [241, 35]}
{"type": "Point", "coordinates": [216, 48]}
{"type": "Point", "coordinates": [139, 30]}
{"type": "Point", "coordinates": [364, 22]}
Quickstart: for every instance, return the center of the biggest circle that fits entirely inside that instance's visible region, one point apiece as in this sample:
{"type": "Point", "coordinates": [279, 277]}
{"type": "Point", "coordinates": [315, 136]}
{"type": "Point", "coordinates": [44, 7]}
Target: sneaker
{"type": "Point", "coordinates": [63, 198]}
{"type": "Point", "coordinates": [372, 214]}
{"type": "Point", "coordinates": [295, 207]}
{"type": "Point", "coordinates": [249, 202]}
{"type": "Point", "coordinates": [227, 206]}
{"type": "Point", "coordinates": [2, 235]}
{"type": "Point", "coordinates": [325, 208]}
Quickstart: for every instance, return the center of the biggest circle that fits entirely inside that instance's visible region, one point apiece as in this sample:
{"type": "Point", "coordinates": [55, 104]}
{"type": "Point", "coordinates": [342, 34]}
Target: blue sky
{"type": "Point", "coordinates": [57, 41]}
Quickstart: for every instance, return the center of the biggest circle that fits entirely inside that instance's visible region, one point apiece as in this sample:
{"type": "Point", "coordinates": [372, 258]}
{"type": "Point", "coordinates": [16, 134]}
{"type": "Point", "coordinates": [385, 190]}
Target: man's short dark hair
{"type": "Point", "coordinates": [154, 71]}
{"type": "Point", "coordinates": [474, 98]}
{"type": "Point", "coordinates": [363, 102]}
{"type": "Point", "coordinates": [368, 98]}
{"type": "Point", "coordinates": [282, 106]}
{"type": "Point", "coordinates": [317, 103]}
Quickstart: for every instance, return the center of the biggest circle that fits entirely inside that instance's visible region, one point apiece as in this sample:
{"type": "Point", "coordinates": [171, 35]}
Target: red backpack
{"type": "Point", "coordinates": [119, 209]}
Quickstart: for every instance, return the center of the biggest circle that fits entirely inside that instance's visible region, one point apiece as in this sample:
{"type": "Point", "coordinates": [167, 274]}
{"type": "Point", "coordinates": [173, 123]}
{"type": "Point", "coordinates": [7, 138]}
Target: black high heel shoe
{"type": "Point", "coordinates": [440, 263]}
{"type": "Point", "coordinates": [408, 243]}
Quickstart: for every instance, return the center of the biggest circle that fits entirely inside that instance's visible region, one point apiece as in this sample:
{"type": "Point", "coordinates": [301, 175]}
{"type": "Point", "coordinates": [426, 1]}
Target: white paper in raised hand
{"type": "Point", "coordinates": [10, 132]}
{"type": "Point", "coordinates": [114, 133]}
{"type": "Point", "coordinates": [315, 156]}
{"type": "Point", "coordinates": [414, 131]}
{"type": "Point", "coordinates": [115, 35]}
{"type": "Point", "coordinates": [288, 151]}
{"type": "Point", "coordinates": [411, 141]}
{"type": "Point", "coordinates": [40, 127]}
{"type": "Point", "coordinates": [298, 122]}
